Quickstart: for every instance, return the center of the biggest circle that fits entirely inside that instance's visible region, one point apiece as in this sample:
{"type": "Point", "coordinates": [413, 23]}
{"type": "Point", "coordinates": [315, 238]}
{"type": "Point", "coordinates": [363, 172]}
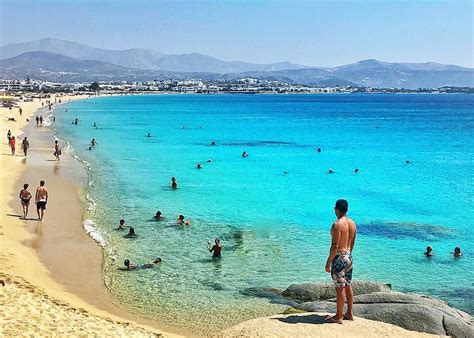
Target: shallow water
{"type": "Point", "coordinates": [275, 226]}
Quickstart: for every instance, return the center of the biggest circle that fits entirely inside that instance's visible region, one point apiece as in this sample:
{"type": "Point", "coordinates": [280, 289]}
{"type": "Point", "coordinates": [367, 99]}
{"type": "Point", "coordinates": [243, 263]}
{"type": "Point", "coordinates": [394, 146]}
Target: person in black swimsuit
{"type": "Point", "coordinates": [25, 197]}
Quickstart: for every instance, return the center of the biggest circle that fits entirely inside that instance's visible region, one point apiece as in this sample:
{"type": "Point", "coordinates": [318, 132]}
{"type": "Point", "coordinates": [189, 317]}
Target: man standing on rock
{"type": "Point", "coordinates": [339, 263]}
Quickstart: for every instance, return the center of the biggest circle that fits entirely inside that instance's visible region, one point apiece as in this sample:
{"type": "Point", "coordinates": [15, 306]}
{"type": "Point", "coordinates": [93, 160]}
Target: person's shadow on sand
{"type": "Point", "coordinates": [304, 319]}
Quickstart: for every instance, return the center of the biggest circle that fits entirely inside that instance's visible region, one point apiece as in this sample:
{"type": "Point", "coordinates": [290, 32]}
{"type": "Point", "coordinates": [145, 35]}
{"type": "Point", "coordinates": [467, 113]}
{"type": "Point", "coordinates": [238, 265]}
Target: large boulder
{"type": "Point", "coordinates": [410, 311]}
{"type": "Point", "coordinates": [311, 292]}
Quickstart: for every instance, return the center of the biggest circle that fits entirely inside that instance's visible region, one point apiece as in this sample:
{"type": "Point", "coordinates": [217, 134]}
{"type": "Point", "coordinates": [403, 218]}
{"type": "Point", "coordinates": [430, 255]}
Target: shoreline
{"type": "Point", "coordinates": [56, 255]}
{"type": "Point", "coordinates": [57, 258]}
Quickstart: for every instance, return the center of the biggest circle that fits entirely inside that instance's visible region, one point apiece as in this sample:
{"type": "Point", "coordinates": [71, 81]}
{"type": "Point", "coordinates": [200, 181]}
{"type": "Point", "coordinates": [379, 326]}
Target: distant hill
{"type": "Point", "coordinates": [56, 67]}
{"type": "Point", "coordinates": [140, 58]}
{"type": "Point", "coordinates": [369, 73]}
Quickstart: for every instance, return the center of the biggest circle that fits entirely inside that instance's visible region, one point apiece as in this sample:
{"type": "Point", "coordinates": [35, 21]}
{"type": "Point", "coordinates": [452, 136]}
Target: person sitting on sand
{"type": "Point", "coordinates": [244, 154]}
{"type": "Point", "coordinates": [25, 145]}
{"type": "Point", "coordinates": [216, 248]}
{"type": "Point", "coordinates": [131, 233]}
{"type": "Point", "coordinates": [198, 166]}
{"type": "Point", "coordinates": [25, 197]}
{"type": "Point", "coordinates": [122, 225]}
{"type": "Point", "coordinates": [457, 252]}
{"type": "Point", "coordinates": [159, 216]}
{"type": "Point", "coordinates": [174, 183]}
{"type": "Point", "coordinates": [181, 221]}
{"type": "Point", "coordinates": [429, 251]}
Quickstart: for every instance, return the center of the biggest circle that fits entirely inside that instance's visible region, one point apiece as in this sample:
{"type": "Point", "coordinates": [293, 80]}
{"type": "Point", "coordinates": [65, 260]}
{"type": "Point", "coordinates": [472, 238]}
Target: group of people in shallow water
{"type": "Point", "coordinates": [216, 249]}
{"type": "Point", "coordinates": [456, 253]}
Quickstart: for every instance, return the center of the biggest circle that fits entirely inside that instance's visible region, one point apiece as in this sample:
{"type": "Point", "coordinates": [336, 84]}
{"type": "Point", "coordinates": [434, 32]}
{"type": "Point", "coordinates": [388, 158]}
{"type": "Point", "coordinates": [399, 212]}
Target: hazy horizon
{"type": "Point", "coordinates": [321, 33]}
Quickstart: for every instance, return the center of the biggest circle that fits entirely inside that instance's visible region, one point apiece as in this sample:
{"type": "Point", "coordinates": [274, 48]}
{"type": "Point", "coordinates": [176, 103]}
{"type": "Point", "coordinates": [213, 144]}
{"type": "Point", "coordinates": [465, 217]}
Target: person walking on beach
{"type": "Point", "coordinates": [25, 145]}
{"type": "Point", "coordinates": [25, 197]}
{"type": "Point", "coordinates": [41, 120]}
{"type": "Point", "coordinates": [339, 262]}
{"type": "Point", "coordinates": [12, 145]}
{"type": "Point", "coordinates": [9, 135]}
{"type": "Point", "coordinates": [37, 121]}
{"type": "Point", "coordinates": [57, 150]}
{"type": "Point", "coordinates": [41, 199]}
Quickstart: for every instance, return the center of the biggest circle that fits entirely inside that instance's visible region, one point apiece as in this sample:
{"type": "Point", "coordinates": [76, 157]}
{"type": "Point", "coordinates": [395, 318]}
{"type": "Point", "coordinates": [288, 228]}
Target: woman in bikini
{"type": "Point", "coordinates": [25, 197]}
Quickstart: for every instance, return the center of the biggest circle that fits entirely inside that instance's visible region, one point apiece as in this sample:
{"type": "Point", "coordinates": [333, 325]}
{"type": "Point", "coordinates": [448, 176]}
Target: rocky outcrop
{"type": "Point", "coordinates": [376, 301]}
{"type": "Point", "coordinates": [311, 292]}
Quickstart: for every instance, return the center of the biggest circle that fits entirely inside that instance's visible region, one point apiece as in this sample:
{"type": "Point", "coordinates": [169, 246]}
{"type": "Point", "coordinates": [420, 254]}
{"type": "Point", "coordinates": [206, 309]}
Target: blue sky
{"type": "Point", "coordinates": [319, 33]}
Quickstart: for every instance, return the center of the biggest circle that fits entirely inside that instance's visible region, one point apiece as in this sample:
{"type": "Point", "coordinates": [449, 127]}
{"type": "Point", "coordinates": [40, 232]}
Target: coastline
{"type": "Point", "coordinates": [55, 255]}
{"type": "Point", "coordinates": [59, 257]}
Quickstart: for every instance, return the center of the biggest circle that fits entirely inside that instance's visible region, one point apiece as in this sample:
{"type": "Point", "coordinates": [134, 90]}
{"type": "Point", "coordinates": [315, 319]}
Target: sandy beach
{"type": "Point", "coordinates": [53, 259]}
{"type": "Point", "coordinates": [51, 271]}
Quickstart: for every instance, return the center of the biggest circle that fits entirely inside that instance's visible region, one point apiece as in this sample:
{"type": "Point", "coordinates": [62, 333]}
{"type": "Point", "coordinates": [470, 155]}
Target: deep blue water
{"type": "Point", "coordinates": [275, 226]}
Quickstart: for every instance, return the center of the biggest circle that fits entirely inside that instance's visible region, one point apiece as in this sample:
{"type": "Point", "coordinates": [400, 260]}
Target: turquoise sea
{"type": "Point", "coordinates": [275, 226]}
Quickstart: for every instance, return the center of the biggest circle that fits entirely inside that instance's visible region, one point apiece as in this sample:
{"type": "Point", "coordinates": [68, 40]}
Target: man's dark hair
{"type": "Point", "coordinates": [41, 183]}
{"type": "Point", "coordinates": [342, 205]}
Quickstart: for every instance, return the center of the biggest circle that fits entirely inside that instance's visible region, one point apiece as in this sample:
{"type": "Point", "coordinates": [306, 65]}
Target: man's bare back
{"type": "Point", "coordinates": [346, 229]}
{"type": "Point", "coordinates": [41, 194]}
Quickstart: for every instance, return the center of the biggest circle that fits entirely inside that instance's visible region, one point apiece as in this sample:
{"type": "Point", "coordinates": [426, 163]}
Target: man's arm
{"type": "Point", "coordinates": [46, 190]}
{"type": "Point", "coordinates": [36, 195]}
{"type": "Point", "coordinates": [353, 239]}
{"type": "Point", "coordinates": [336, 236]}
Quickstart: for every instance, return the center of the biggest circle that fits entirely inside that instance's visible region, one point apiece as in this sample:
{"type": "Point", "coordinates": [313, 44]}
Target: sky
{"type": "Point", "coordinates": [314, 33]}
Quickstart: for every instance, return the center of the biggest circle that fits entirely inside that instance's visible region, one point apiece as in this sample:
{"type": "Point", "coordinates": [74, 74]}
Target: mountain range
{"type": "Point", "coordinates": [66, 61]}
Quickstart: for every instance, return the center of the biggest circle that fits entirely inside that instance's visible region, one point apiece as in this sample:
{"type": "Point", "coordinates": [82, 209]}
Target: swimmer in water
{"type": "Point", "coordinates": [209, 161]}
{"type": "Point", "coordinates": [330, 171]}
{"type": "Point", "coordinates": [356, 171]}
{"type": "Point", "coordinates": [407, 162]}
{"type": "Point", "coordinates": [95, 125]}
{"type": "Point", "coordinates": [149, 135]}
{"type": "Point", "coordinates": [213, 143]}
{"type": "Point", "coordinates": [198, 166]}
{"type": "Point", "coordinates": [457, 252]}
{"type": "Point", "coordinates": [93, 142]}
{"type": "Point", "coordinates": [216, 248]}
{"type": "Point", "coordinates": [122, 225]}
{"type": "Point", "coordinates": [429, 251]}
{"type": "Point", "coordinates": [181, 221]}
{"type": "Point", "coordinates": [244, 154]}
{"type": "Point", "coordinates": [152, 264]}
{"type": "Point", "coordinates": [131, 233]}
{"type": "Point", "coordinates": [130, 265]}
{"type": "Point", "coordinates": [159, 216]}
{"type": "Point", "coordinates": [174, 183]}
{"type": "Point", "coordinates": [319, 150]}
